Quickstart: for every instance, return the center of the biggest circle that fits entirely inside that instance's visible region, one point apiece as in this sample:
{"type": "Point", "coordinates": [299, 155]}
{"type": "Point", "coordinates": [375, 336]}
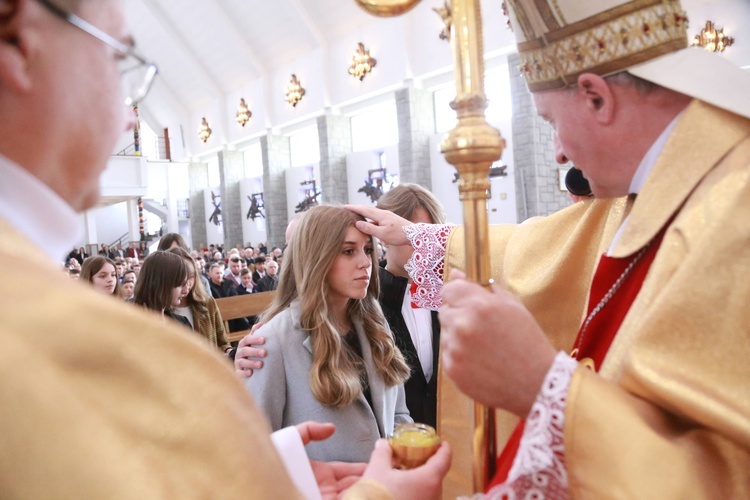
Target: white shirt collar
{"type": "Point", "coordinates": [37, 212]}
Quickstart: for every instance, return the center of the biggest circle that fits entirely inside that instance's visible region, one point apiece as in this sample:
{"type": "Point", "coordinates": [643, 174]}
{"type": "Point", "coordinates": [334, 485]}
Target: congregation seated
{"type": "Point", "coordinates": [79, 254]}
{"type": "Point", "coordinates": [247, 287]}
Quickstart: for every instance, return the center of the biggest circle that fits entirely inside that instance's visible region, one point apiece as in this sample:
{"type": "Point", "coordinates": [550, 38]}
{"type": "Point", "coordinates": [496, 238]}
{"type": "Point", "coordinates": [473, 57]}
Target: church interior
{"type": "Point", "coordinates": [260, 110]}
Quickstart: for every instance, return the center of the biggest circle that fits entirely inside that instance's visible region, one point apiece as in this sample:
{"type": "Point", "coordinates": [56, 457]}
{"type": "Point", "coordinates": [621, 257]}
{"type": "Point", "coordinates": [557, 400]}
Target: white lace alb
{"type": "Point", "coordinates": [427, 264]}
{"type": "Point", "coordinates": [538, 470]}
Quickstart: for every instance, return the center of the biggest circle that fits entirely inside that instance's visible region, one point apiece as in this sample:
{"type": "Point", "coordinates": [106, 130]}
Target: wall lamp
{"type": "Point", "coordinates": [243, 113]}
{"type": "Point", "coordinates": [205, 131]}
{"type": "Point", "coordinates": [294, 91]}
{"type": "Point", "coordinates": [711, 39]}
{"type": "Point", "coordinates": [362, 63]}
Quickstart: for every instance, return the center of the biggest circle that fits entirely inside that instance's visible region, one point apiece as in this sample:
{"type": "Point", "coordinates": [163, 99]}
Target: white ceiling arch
{"type": "Point", "coordinates": [212, 52]}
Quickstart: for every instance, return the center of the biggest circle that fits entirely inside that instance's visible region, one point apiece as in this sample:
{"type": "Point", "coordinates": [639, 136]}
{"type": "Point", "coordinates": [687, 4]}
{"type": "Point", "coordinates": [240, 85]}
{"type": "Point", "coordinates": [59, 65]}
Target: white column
{"type": "Point", "coordinates": [133, 226]}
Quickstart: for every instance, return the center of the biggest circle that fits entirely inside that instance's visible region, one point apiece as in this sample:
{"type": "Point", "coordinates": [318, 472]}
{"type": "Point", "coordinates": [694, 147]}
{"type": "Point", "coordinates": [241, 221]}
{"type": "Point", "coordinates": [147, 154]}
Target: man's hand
{"type": "Point", "coordinates": [385, 225]}
{"type": "Point", "coordinates": [425, 481]}
{"type": "Point", "coordinates": [246, 359]}
{"type": "Point", "coordinates": [332, 477]}
{"type": "Point", "coordinates": [491, 345]}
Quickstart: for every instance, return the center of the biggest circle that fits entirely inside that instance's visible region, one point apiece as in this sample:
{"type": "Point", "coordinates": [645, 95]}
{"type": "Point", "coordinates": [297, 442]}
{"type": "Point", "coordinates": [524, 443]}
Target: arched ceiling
{"type": "Point", "coordinates": [211, 51]}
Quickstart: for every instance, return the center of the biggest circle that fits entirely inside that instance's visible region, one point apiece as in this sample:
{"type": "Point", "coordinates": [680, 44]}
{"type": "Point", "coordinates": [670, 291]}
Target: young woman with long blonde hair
{"type": "Point", "coordinates": [331, 357]}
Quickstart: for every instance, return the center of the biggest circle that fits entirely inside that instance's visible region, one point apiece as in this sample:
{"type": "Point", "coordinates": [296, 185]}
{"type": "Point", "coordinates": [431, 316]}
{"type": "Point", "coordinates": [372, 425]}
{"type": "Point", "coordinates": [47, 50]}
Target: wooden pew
{"type": "Point", "coordinates": [241, 306]}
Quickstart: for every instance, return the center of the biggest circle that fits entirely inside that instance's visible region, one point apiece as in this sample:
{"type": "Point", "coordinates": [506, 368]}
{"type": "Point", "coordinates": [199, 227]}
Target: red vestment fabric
{"type": "Point", "coordinates": [594, 342]}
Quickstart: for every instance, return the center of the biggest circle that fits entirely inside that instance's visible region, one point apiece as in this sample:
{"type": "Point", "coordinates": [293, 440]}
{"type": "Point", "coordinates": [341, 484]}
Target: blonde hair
{"type": "Point", "coordinates": [405, 199]}
{"type": "Point", "coordinates": [334, 376]}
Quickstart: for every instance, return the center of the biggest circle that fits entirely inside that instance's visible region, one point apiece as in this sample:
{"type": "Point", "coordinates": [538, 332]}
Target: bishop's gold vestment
{"type": "Point", "coordinates": [668, 414]}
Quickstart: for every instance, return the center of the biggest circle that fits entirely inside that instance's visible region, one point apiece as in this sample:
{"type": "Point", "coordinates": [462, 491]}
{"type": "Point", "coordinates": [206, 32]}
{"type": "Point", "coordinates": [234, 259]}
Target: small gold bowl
{"type": "Point", "coordinates": [413, 444]}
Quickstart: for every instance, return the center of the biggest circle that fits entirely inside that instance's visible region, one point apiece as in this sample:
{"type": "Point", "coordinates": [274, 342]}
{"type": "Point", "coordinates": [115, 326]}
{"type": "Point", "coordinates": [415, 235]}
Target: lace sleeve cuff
{"type": "Point", "coordinates": [427, 264]}
{"type": "Point", "coordinates": [538, 470]}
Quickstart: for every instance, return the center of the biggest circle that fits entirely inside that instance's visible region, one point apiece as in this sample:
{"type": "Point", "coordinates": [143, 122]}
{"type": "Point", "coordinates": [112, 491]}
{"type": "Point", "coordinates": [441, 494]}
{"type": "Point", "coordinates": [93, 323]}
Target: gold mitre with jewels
{"type": "Point", "coordinates": [558, 40]}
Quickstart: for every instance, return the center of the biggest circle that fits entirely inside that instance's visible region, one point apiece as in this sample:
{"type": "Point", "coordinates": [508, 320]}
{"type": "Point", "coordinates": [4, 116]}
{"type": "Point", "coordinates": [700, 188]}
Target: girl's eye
{"type": "Point", "coordinates": [368, 251]}
{"type": "Point", "coordinates": [348, 251]}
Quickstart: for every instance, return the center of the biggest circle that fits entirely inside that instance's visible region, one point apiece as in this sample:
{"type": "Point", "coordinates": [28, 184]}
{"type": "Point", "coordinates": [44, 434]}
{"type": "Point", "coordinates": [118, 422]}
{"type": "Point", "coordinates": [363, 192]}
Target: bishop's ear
{"type": "Point", "coordinates": [14, 19]}
{"type": "Point", "coordinates": [598, 96]}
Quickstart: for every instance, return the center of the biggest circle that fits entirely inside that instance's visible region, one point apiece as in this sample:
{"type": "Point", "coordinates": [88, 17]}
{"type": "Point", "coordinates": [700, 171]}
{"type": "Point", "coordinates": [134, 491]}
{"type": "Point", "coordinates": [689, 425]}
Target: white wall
{"type": "Point", "coordinates": [111, 222]}
{"type": "Point", "coordinates": [125, 176]}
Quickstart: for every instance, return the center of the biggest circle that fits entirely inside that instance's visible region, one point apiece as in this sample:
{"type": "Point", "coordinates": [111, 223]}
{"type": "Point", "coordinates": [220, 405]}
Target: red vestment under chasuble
{"type": "Point", "coordinates": [614, 288]}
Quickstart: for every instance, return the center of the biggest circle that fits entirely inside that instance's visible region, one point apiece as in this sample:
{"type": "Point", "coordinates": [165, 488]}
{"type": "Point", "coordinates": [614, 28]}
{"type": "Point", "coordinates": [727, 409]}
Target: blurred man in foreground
{"type": "Point", "coordinates": [94, 400]}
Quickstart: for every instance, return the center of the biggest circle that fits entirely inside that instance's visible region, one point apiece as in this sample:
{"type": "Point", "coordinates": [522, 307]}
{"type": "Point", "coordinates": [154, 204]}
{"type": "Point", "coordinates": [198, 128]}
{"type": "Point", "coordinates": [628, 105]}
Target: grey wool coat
{"type": "Point", "coordinates": [282, 391]}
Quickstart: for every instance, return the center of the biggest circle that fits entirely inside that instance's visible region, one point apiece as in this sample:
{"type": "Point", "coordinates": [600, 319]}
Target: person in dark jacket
{"type": "Point", "coordinates": [416, 330]}
{"type": "Point", "coordinates": [271, 279]}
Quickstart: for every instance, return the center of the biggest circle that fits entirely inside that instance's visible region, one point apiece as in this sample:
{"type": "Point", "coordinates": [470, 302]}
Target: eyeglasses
{"type": "Point", "coordinates": [136, 73]}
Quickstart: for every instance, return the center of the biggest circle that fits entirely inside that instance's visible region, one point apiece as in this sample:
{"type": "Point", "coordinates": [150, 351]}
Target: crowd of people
{"type": "Point", "coordinates": [240, 271]}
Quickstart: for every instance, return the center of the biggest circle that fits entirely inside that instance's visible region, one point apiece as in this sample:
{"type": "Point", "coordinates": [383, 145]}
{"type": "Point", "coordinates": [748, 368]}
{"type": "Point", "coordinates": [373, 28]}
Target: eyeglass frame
{"type": "Point", "coordinates": [87, 27]}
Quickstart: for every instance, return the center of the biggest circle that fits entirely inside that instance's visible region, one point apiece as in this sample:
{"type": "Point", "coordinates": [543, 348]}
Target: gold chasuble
{"type": "Point", "coordinates": [668, 414]}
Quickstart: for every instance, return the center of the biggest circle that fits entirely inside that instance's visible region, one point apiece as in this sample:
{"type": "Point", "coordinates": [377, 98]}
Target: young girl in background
{"type": "Point", "coordinates": [199, 307]}
{"type": "Point", "coordinates": [101, 273]}
{"type": "Point", "coordinates": [162, 283]}
{"type": "Point", "coordinates": [331, 357]}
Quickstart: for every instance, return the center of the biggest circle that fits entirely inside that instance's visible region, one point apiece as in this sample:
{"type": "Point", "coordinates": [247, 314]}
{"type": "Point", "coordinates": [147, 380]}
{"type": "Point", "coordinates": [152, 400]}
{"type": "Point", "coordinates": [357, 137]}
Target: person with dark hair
{"type": "Point", "coordinates": [247, 287]}
{"type": "Point", "coordinates": [142, 250]}
{"type": "Point", "coordinates": [127, 289]}
{"type": "Point", "coordinates": [78, 254]}
{"type": "Point", "coordinates": [106, 252]}
{"type": "Point", "coordinates": [416, 329]}
{"type": "Point", "coordinates": [199, 307]}
{"type": "Point", "coordinates": [171, 240]}
{"type": "Point", "coordinates": [162, 284]}
{"type": "Point", "coordinates": [260, 269]}
{"type": "Point", "coordinates": [232, 278]}
{"type": "Point", "coordinates": [101, 272]}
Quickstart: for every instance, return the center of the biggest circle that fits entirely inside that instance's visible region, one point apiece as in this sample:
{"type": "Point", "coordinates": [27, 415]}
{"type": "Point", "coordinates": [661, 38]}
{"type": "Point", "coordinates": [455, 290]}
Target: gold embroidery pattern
{"type": "Point", "coordinates": [606, 48]}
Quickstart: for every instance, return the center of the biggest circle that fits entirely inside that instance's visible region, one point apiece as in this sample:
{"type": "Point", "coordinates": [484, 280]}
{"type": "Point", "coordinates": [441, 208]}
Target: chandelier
{"type": "Point", "coordinates": [204, 132]}
{"type": "Point", "coordinates": [243, 113]}
{"type": "Point", "coordinates": [711, 39]}
{"type": "Point", "coordinates": [362, 63]}
{"type": "Point", "coordinates": [294, 91]}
